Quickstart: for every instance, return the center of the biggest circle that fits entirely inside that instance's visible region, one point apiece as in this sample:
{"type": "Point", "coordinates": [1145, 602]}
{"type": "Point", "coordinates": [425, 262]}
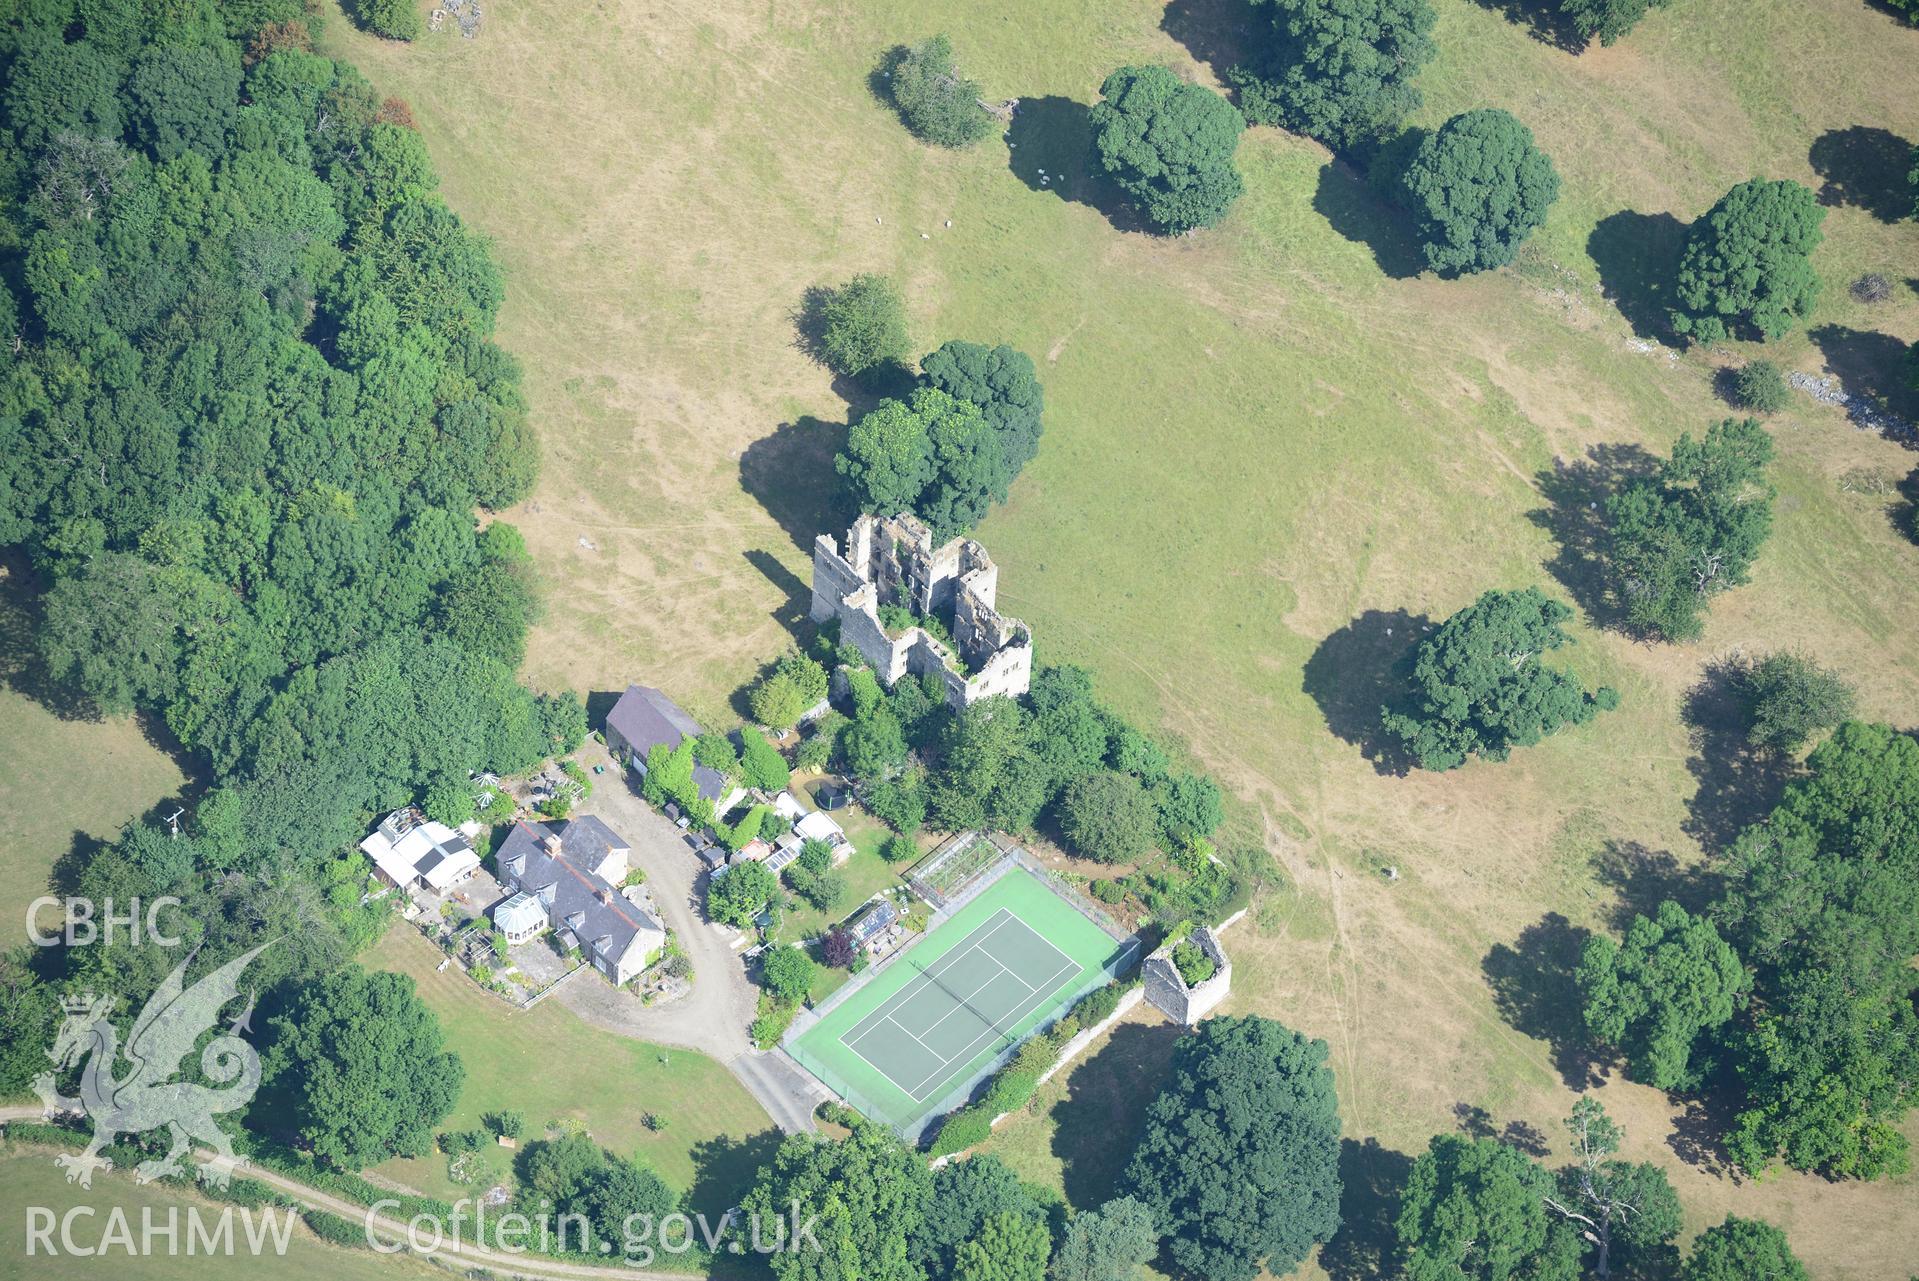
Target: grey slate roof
{"type": "Point", "coordinates": [587, 841]}
{"type": "Point", "coordinates": [575, 899]}
{"type": "Point", "coordinates": [645, 717]}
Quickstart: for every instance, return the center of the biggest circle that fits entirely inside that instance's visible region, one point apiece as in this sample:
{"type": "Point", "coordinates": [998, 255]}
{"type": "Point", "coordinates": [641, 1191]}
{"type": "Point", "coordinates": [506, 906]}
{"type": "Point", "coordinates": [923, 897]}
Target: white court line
{"type": "Point", "coordinates": [927, 977]}
{"type": "Point", "coordinates": [992, 925]}
{"type": "Point", "coordinates": [972, 1047]}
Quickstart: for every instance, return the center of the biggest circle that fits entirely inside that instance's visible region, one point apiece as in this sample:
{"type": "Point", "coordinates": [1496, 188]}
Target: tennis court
{"type": "Point", "coordinates": [928, 1027]}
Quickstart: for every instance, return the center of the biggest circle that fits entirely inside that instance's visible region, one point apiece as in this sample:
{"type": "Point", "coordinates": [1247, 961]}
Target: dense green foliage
{"type": "Point", "coordinates": [761, 764]}
{"type": "Point", "coordinates": [1002, 382]}
{"type": "Point", "coordinates": [870, 1193]}
{"type": "Point", "coordinates": [1693, 530]}
{"type": "Point", "coordinates": [966, 1196]}
{"type": "Point", "coordinates": [1256, 1099]}
{"type": "Point", "coordinates": [1607, 19]}
{"type": "Point", "coordinates": [861, 325]}
{"type": "Point", "coordinates": [572, 1175]}
{"type": "Point", "coordinates": [1010, 1247]}
{"type": "Point", "coordinates": [355, 1067]}
{"type": "Point", "coordinates": [1748, 263]}
{"type": "Point", "coordinates": [787, 972]}
{"type": "Point", "coordinates": [735, 894]}
{"type": "Point", "coordinates": [934, 99]}
{"type": "Point", "coordinates": [929, 454]}
{"type": "Point", "coordinates": [252, 408]}
{"type": "Point", "coordinates": [1740, 1250]}
{"type": "Point", "coordinates": [1478, 687]}
{"type": "Point", "coordinates": [249, 403]}
{"type": "Point", "coordinates": [1759, 386]}
{"type": "Point", "coordinates": [1672, 979]}
{"type": "Point", "coordinates": [1477, 1209]}
{"type": "Point", "coordinates": [1823, 904]}
{"type": "Point", "coordinates": [394, 19]}
{"type": "Point", "coordinates": [1112, 1243]}
{"type": "Point", "coordinates": [1340, 71]}
{"type": "Point", "coordinates": [1107, 815]}
{"type": "Point", "coordinates": [1618, 1208]}
{"type": "Point", "coordinates": [795, 685]}
{"type": "Point", "coordinates": [1478, 186]}
{"type": "Point", "coordinates": [1791, 699]}
{"type": "Point", "coordinates": [953, 447]}
{"type": "Point", "coordinates": [1004, 763]}
{"type": "Point", "coordinates": [1169, 146]}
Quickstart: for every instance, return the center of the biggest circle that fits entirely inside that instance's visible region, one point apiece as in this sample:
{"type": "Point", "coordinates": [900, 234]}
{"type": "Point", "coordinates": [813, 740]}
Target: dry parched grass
{"type": "Point", "coordinates": [1265, 446]}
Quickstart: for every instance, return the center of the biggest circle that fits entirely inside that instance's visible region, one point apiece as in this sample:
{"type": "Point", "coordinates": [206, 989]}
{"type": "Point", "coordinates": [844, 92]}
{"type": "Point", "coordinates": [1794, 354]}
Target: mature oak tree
{"type": "Point", "coordinates": [356, 1066]}
{"type": "Point", "coordinates": [1254, 1100]}
{"type": "Point", "coordinates": [1478, 187]}
{"type": "Point", "coordinates": [1168, 145]}
{"type": "Point", "coordinates": [1340, 71]}
{"type": "Point", "coordinates": [870, 1194]}
{"type": "Point", "coordinates": [1475, 1210]}
{"type": "Point", "coordinates": [1479, 688]}
{"type": "Point", "coordinates": [1692, 531]}
{"type": "Point", "coordinates": [1653, 996]}
{"type": "Point", "coordinates": [1748, 263]}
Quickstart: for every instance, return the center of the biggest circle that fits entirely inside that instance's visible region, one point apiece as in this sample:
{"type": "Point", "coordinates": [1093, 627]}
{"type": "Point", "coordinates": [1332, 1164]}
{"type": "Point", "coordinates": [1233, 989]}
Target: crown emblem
{"type": "Point", "coordinates": [84, 1003]}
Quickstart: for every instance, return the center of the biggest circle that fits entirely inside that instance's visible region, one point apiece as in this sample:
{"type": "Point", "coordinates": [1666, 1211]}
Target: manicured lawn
{"type": "Point", "coordinates": [549, 1065]}
{"type": "Point", "coordinates": [1272, 455]}
{"type": "Point", "coordinates": [864, 872]}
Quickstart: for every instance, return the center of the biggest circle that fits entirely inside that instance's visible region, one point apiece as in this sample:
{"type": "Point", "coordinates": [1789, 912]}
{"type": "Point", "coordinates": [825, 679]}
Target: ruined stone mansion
{"type": "Point", "coordinates": [892, 561]}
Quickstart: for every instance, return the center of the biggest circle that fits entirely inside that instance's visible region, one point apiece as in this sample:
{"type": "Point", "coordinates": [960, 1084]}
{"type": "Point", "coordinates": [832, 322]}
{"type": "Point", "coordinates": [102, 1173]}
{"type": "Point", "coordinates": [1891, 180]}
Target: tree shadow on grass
{"type": "Point", "coordinates": [1372, 1181]}
{"type": "Point", "coordinates": [1097, 1123]}
{"type": "Point", "coordinates": [1738, 783]}
{"type": "Point", "coordinates": [1575, 516]}
{"type": "Point", "coordinates": [861, 393]}
{"type": "Point", "coordinates": [724, 1167]}
{"type": "Point", "coordinates": [791, 474]}
{"type": "Point", "coordinates": [1638, 256]}
{"type": "Point", "coordinates": [1544, 20]}
{"type": "Point", "coordinates": [1360, 669]}
{"type": "Point", "coordinates": [1476, 1122]}
{"type": "Point", "coordinates": [1866, 167]}
{"type": "Point", "coordinates": [1643, 878]}
{"type": "Point", "coordinates": [23, 668]}
{"type": "Point", "coordinates": [1904, 514]}
{"type": "Point", "coordinates": [1699, 1135]}
{"type": "Point", "coordinates": [1873, 367]}
{"type": "Point", "coordinates": [1354, 210]}
{"type": "Point", "coordinates": [1219, 33]}
{"type": "Point", "coordinates": [1534, 991]}
{"type": "Point", "coordinates": [1049, 148]}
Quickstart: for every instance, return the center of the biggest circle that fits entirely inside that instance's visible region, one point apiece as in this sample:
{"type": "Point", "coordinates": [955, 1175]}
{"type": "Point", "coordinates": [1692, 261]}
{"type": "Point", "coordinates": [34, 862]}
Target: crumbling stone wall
{"type": "Point", "coordinates": [893, 559]}
{"type": "Point", "coordinates": [1167, 990]}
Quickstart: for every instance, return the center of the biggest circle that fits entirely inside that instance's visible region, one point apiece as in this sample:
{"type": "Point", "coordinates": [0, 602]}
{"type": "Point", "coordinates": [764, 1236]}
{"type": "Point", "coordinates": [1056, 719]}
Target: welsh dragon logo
{"type": "Point", "coordinates": [147, 1097]}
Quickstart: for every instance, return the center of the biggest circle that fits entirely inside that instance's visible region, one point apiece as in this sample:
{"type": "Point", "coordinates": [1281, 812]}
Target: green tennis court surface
{"type": "Point", "coordinates": [940, 1015]}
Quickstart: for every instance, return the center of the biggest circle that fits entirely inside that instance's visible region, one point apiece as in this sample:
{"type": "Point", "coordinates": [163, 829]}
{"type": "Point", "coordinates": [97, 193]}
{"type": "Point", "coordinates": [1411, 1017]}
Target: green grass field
{"type": "Point", "coordinates": [68, 781]}
{"type": "Point", "coordinates": [29, 1178]}
{"type": "Point", "coordinates": [1266, 445]}
{"type": "Point", "coordinates": [899, 1047]}
{"type": "Point", "coordinates": [546, 1063]}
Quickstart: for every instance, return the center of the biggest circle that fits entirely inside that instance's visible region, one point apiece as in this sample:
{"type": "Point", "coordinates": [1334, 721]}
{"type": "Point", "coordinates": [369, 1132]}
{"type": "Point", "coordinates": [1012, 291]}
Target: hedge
{"type": "Point", "coordinates": [333, 1228]}
{"type": "Point", "coordinates": [963, 1129]}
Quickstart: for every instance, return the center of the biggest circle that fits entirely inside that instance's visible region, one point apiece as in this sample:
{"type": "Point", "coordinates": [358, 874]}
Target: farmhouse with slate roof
{"type": "Point", "coordinates": [563, 868]}
{"type": "Point", "coordinates": [645, 718]}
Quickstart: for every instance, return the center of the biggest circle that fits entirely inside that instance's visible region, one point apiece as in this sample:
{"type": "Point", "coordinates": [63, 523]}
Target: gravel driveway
{"type": "Point", "coordinates": [714, 1016]}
